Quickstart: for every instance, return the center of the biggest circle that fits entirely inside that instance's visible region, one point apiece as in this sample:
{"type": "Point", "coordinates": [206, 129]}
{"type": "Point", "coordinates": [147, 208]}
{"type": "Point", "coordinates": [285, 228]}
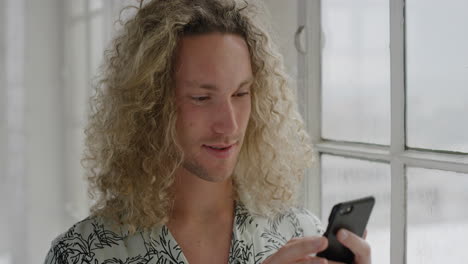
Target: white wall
{"type": "Point", "coordinates": [3, 130]}
{"type": "Point", "coordinates": [43, 123]}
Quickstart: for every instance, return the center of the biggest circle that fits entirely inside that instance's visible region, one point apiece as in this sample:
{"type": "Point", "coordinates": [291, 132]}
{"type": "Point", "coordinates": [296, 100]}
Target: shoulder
{"type": "Point", "coordinates": [260, 236]}
{"type": "Point", "coordinates": [292, 222]}
{"type": "Point", "coordinates": [80, 242]}
{"type": "Point", "coordinates": [296, 222]}
{"type": "Point", "coordinates": [305, 220]}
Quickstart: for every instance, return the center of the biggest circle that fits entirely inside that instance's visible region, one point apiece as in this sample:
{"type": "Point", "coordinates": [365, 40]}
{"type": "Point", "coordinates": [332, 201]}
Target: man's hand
{"type": "Point", "coordinates": [297, 250]}
{"type": "Point", "coordinates": [357, 245]}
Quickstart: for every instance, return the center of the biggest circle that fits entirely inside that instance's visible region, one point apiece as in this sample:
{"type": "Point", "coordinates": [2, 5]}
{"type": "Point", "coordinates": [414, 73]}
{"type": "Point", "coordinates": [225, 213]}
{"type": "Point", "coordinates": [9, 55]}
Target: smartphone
{"type": "Point", "coordinates": [351, 215]}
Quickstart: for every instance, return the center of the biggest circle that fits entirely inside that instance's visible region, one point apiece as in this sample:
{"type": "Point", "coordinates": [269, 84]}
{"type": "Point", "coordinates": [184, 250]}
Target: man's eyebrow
{"type": "Point", "coordinates": [247, 81]}
{"type": "Point", "coordinates": [213, 87]}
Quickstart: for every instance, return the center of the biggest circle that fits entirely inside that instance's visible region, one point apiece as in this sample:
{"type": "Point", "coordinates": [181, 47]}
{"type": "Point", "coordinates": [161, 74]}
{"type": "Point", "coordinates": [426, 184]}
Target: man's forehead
{"type": "Point", "coordinates": [212, 62]}
{"type": "Point", "coordinates": [211, 86]}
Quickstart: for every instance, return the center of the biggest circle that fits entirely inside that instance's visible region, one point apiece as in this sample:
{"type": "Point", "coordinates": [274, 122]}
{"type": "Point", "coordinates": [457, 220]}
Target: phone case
{"type": "Point", "coordinates": [351, 215]}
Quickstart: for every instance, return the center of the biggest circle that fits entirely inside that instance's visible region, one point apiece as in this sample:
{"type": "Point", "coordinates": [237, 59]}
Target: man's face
{"type": "Point", "coordinates": [213, 78]}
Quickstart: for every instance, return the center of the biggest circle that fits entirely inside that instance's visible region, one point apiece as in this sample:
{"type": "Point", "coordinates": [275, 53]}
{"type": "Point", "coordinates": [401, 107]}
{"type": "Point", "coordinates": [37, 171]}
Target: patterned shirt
{"type": "Point", "coordinates": [254, 238]}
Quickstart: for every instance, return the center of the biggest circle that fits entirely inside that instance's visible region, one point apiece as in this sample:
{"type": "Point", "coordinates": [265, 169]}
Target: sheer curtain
{"type": "Point", "coordinates": [49, 52]}
{"type": "Point", "coordinates": [31, 128]}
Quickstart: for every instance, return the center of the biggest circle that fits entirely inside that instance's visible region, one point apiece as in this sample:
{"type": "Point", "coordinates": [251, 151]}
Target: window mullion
{"type": "Point", "coordinates": [437, 161]}
{"type": "Point", "coordinates": [398, 212]}
{"type": "Point", "coordinates": [457, 162]}
{"type": "Point", "coordinates": [355, 150]}
{"type": "Point", "coordinates": [309, 90]}
{"type": "Point", "coordinates": [398, 133]}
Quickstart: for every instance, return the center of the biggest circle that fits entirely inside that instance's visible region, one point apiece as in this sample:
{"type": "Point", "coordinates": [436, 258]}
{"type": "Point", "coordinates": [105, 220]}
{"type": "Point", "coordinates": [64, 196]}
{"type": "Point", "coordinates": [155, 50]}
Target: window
{"type": "Point", "coordinates": [390, 122]}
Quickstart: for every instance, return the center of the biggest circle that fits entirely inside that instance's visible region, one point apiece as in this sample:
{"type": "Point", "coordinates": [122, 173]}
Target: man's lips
{"type": "Point", "coordinates": [219, 146]}
{"type": "Point", "coordinates": [222, 151]}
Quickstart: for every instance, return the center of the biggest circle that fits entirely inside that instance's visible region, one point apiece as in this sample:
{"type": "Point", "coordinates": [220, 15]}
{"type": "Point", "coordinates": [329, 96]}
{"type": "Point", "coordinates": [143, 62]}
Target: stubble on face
{"type": "Point", "coordinates": [192, 166]}
{"type": "Point", "coordinates": [197, 170]}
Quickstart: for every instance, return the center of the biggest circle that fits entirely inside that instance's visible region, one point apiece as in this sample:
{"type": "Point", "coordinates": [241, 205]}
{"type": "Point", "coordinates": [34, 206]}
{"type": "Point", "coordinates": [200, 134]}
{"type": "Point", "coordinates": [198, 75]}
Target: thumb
{"type": "Point", "coordinates": [356, 244]}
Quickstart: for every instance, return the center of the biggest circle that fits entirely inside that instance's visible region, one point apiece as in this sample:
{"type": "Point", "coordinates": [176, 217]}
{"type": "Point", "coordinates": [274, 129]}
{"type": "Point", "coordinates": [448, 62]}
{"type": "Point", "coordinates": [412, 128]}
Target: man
{"type": "Point", "coordinates": [195, 148]}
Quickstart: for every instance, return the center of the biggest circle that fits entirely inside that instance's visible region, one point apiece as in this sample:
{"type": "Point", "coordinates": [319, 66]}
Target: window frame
{"type": "Point", "coordinates": [397, 154]}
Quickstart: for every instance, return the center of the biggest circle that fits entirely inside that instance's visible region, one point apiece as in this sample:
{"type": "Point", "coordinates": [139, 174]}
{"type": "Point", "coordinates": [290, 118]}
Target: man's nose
{"type": "Point", "coordinates": [225, 119]}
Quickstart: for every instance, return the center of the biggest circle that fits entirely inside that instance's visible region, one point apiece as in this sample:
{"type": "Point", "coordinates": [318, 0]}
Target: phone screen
{"type": "Point", "coordinates": [351, 215]}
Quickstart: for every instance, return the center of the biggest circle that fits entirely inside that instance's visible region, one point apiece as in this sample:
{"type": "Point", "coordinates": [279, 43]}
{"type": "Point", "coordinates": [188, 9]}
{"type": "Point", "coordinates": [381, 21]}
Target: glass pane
{"type": "Point", "coordinates": [356, 71]}
{"type": "Point", "coordinates": [437, 74]}
{"type": "Point", "coordinates": [437, 216]}
{"type": "Point", "coordinates": [346, 179]}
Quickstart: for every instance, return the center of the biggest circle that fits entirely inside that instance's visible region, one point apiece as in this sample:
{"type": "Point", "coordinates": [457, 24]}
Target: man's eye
{"type": "Point", "coordinates": [200, 98]}
{"type": "Point", "coordinates": [242, 94]}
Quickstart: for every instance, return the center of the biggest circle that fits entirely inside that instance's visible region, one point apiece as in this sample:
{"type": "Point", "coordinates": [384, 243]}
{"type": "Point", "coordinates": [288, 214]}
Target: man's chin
{"type": "Point", "coordinates": [212, 175]}
{"type": "Point", "coordinates": [216, 179]}
{"type": "Point", "coordinates": [215, 176]}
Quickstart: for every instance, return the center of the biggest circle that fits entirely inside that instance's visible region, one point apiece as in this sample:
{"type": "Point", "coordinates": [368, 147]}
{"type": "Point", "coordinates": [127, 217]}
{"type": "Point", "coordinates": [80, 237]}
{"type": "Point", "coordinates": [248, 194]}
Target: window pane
{"type": "Point", "coordinates": [437, 216]}
{"type": "Point", "coordinates": [356, 71]}
{"type": "Point", "coordinates": [437, 74]}
{"type": "Point", "coordinates": [346, 179]}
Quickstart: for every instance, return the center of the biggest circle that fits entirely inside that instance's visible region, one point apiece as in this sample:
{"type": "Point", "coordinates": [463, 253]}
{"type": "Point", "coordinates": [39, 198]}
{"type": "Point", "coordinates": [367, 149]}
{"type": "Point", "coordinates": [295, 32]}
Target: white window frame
{"type": "Point", "coordinates": [396, 154]}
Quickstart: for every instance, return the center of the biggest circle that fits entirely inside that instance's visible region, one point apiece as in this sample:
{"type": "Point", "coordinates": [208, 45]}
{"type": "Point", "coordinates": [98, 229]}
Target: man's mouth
{"type": "Point", "coordinates": [219, 148]}
{"type": "Point", "coordinates": [220, 151]}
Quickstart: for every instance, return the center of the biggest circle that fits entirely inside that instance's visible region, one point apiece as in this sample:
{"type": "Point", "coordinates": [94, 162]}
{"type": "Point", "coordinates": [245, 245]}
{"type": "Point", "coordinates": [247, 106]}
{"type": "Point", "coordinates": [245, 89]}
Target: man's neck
{"type": "Point", "coordinates": [200, 202]}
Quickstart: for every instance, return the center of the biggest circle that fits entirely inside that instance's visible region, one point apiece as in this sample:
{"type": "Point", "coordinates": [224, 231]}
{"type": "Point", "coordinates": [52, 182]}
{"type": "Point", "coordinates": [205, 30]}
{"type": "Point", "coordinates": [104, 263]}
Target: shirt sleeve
{"type": "Point", "coordinates": [54, 256]}
{"type": "Point", "coordinates": [50, 259]}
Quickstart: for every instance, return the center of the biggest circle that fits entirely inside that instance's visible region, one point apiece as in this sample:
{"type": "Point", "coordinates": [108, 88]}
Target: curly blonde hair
{"type": "Point", "coordinates": [131, 154]}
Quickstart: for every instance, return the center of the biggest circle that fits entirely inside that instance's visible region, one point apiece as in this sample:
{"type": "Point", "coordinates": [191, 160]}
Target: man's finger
{"type": "Point", "coordinates": [356, 244]}
{"type": "Point", "coordinates": [298, 249]}
{"type": "Point", "coordinates": [314, 260]}
{"type": "Point", "coordinates": [365, 234]}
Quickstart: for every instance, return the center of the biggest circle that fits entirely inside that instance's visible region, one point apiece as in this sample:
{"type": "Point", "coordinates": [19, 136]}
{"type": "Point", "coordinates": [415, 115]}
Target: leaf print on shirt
{"type": "Point", "coordinates": [164, 248]}
{"type": "Point", "coordinates": [104, 237]}
{"type": "Point", "coordinates": [77, 249]}
{"type": "Point", "coordinates": [243, 218]}
{"type": "Point", "coordinates": [254, 239]}
{"type": "Point", "coordinates": [134, 260]}
{"type": "Point", "coordinates": [240, 252]}
{"type": "Point", "coordinates": [281, 228]}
